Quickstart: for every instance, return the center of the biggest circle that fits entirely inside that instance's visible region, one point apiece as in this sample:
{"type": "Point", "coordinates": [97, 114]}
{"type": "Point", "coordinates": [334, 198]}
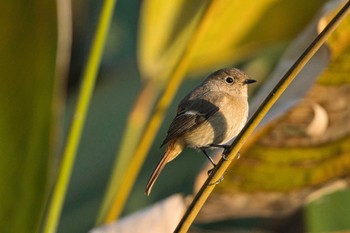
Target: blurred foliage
{"type": "Point", "coordinates": [164, 30]}
{"type": "Point", "coordinates": [339, 44]}
{"type": "Point", "coordinates": [163, 56]}
{"type": "Point", "coordinates": [142, 147]}
{"type": "Point", "coordinates": [27, 136]}
{"type": "Point", "coordinates": [56, 202]}
{"type": "Point", "coordinates": [329, 213]}
{"type": "Point", "coordinates": [227, 40]}
{"type": "Point", "coordinates": [297, 154]}
{"type": "Point", "coordinates": [242, 32]}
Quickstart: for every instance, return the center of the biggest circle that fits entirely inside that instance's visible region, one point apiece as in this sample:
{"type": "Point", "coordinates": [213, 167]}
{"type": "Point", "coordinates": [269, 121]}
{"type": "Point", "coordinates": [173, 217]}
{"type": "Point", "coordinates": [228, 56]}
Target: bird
{"type": "Point", "coordinates": [209, 116]}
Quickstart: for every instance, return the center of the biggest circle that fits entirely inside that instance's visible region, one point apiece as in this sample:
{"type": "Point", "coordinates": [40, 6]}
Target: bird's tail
{"type": "Point", "coordinates": [173, 149]}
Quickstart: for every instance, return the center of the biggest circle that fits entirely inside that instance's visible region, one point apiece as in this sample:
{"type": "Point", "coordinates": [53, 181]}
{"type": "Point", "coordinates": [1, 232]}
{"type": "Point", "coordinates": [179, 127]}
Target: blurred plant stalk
{"type": "Point", "coordinates": [175, 78]}
{"type": "Point", "coordinates": [87, 87]}
{"type": "Point", "coordinates": [136, 123]}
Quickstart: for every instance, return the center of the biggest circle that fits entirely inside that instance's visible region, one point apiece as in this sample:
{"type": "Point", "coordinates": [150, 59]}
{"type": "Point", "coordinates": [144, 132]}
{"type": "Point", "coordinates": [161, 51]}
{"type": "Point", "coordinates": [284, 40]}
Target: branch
{"type": "Point", "coordinates": [277, 91]}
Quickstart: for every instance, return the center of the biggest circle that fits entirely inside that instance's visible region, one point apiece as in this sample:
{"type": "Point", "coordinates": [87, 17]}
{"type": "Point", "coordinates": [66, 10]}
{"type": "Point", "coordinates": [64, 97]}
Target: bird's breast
{"type": "Point", "coordinates": [222, 126]}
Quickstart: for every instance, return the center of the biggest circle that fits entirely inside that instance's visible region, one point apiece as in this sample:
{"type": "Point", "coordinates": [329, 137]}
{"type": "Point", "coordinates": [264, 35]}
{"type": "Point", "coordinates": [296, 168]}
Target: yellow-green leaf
{"type": "Point", "coordinates": [27, 63]}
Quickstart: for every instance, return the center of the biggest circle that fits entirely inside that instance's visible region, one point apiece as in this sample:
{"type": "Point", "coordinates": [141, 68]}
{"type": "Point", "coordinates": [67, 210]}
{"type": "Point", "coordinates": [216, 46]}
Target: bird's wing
{"type": "Point", "coordinates": [189, 116]}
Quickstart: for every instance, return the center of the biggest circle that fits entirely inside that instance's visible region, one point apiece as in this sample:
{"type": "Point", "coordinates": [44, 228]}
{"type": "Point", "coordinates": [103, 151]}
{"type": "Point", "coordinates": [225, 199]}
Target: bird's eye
{"type": "Point", "coordinates": [229, 79]}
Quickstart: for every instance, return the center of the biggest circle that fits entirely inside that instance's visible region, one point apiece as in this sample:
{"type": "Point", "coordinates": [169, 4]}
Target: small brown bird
{"type": "Point", "coordinates": [209, 116]}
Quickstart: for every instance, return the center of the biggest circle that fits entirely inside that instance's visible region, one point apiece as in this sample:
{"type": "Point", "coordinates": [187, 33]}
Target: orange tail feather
{"type": "Point", "coordinates": [173, 150]}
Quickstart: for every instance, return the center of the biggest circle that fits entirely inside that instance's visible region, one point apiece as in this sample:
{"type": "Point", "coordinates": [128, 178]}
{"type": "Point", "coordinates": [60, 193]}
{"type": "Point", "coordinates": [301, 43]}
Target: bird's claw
{"type": "Point", "coordinates": [216, 182]}
{"type": "Point", "coordinates": [224, 156]}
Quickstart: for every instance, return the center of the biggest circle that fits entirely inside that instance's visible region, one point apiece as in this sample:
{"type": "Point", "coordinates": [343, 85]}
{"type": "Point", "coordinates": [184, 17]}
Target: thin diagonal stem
{"type": "Point", "coordinates": [152, 127]}
{"type": "Point", "coordinates": [88, 84]}
{"type": "Point", "coordinates": [223, 164]}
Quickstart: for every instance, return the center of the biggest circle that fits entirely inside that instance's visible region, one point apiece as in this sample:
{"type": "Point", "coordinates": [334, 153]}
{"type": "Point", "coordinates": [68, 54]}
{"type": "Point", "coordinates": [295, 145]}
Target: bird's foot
{"type": "Point", "coordinates": [216, 182]}
{"type": "Point", "coordinates": [226, 150]}
{"type": "Point", "coordinates": [224, 156]}
{"type": "Point", "coordinates": [209, 158]}
{"type": "Point", "coordinates": [210, 171]}
{"type": "Point", "coordinates": [225, 147]}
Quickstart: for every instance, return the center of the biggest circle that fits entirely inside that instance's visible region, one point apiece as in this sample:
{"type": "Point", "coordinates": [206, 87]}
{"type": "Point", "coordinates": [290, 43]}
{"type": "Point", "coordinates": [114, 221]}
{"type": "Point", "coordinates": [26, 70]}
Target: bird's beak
{"type": "Point", "coordinates": [249, 81]}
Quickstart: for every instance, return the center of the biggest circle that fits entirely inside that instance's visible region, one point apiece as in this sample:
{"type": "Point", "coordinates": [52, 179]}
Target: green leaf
{"type": "Point", "coordinates": [243, 28]}
{"type": "Point", "coordinates": [27, 65]}
{"type": "Point", "coordinates": [239, 31]}
{"type": "Point", "coordinates": [329, 213]}
{"type": "Point", "coordinates": [165, 28]}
